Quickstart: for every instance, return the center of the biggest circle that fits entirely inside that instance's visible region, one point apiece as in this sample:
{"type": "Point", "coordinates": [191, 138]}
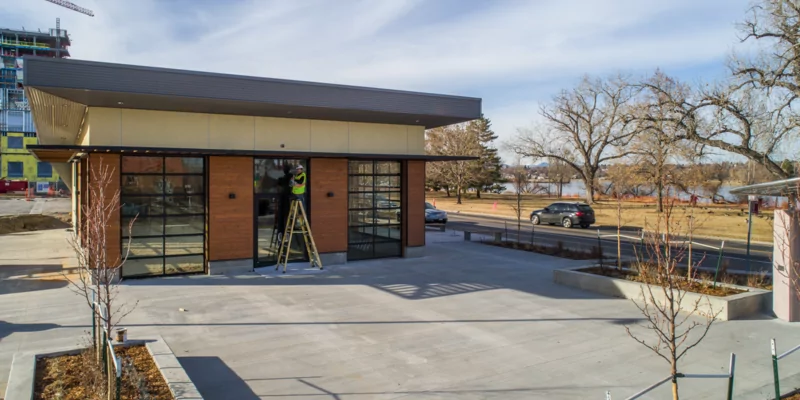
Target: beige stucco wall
{"type": "Point", "coordinates": [141, 128]}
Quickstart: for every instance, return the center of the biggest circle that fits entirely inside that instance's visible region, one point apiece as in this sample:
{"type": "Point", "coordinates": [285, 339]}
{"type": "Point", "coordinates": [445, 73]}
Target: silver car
{"type": "Point", "coordinates": [433, 215]}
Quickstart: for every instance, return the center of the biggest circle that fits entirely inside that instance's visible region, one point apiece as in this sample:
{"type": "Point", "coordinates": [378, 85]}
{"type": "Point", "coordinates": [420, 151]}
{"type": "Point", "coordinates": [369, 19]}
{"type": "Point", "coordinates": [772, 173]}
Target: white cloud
{"type": "Point", "coordinates": [514, 43]}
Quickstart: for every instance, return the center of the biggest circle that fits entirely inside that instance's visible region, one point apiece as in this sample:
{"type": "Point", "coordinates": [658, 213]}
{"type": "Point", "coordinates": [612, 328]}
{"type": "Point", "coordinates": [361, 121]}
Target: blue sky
{"type": "Point", "coordinates": [514, 54]}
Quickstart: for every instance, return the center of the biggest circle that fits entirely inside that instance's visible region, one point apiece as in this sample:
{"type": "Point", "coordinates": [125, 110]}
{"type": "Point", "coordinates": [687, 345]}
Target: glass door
{"type": "Point", "coordinates": [271, 209]}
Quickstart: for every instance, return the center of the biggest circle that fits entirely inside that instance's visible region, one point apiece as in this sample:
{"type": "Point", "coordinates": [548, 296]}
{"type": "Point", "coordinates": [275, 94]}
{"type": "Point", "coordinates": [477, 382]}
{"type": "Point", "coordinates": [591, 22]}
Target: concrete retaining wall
{"type": "Point", "coordinates": [737, 306]}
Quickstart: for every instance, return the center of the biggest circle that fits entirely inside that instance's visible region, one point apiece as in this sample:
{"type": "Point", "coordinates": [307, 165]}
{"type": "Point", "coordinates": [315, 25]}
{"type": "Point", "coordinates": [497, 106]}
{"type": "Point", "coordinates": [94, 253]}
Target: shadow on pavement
{"type": "Point", "coordinates": [215, 380]}
{"type": "Point", "coordinates": [29, 278]}
{"type": "Point", "coordinates": [7, 328]}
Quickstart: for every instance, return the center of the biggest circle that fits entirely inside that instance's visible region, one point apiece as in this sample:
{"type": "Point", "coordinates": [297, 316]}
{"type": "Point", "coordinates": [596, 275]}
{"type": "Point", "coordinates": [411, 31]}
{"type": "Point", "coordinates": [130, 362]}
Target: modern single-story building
{"type": "Point", "coordinates": [199, 160]}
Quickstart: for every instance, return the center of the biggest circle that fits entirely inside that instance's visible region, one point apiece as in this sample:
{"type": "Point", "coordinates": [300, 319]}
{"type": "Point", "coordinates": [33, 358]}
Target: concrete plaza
{"type": "Point", "coordinates": [467, 321]}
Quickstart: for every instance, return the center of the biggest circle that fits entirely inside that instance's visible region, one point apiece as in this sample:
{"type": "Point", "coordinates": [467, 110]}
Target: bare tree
{"type": "Point", "coordinates": [590, 121]}
{"type": "Point", "coordinates": [520, 179]}
{"type": "Point", "coordinates": [454, 140]}
{"type": "Point", "coordinates": [559, 172]}
{"type": "Point", "coordinates": [667, 314]}
{"type": "Point", "coordinates": [99, 270]}
{"type": "Point", "coordinates": [658, 144]}
{"type": "Point", "coordinates": [735, 118]}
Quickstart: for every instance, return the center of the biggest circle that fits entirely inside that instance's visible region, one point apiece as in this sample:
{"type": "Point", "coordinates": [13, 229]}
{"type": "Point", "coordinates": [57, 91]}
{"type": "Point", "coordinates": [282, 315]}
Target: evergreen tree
{"type": "Point", "coordinates": [488, 173]}
{"type": "Point", "coordinates": [788, 167]}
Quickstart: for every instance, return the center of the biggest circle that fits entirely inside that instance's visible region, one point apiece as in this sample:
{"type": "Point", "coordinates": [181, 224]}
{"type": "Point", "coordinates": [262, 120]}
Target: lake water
{"type": "Point", "coordinates": [576, 188]}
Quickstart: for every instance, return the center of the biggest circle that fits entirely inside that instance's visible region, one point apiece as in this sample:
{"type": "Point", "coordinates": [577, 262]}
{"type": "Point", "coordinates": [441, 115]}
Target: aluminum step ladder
{"type": "Point", "coordinates": [297, 210]}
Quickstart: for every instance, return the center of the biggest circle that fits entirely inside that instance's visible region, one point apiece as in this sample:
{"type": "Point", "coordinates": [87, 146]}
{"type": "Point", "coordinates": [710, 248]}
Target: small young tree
{"type": "Point", "coordinates": [672, 318]}
{"type": "Point", "coordinates": [520, 179]}
{"type": "Point", "coordinates": [99, 271]}
{"type": "Point", "coordinates": [623, 179]}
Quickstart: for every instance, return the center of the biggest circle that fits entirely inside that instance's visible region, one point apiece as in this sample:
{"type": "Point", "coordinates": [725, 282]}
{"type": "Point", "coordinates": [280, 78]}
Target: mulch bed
{"type": "Point", "coordinates": [78, 377]}
{"type": "Point", "coordinates": [702, 287]}
{"type": "Point", "coordinates": [555, 251]}
{"type": "Point", "coordinates": [33, 222]}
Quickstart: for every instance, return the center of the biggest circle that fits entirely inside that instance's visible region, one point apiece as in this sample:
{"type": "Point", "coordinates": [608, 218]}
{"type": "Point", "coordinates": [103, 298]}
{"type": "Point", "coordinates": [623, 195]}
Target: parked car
{"type": "Point", "coordinates": [432, 214]}
{"type": "Point", "coordinates": [564, 214]}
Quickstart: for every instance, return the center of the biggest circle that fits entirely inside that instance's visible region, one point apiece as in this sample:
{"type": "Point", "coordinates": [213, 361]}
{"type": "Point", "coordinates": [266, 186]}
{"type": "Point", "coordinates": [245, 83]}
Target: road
{"type": "Point", "coordinates": [734, 252]}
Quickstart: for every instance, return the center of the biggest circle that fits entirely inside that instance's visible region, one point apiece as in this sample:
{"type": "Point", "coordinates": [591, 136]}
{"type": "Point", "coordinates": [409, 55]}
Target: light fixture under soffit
{"type": "Point", "coordinates": [119, 103]}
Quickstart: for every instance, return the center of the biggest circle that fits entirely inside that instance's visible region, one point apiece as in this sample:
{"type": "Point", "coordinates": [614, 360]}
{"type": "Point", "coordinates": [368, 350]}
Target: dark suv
{"type": "Point", "coordinates": [564, 214]}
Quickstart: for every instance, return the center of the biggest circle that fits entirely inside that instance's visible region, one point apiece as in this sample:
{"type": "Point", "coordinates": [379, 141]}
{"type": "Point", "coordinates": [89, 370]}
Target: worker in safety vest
{"type": "Point", "coordinates": [299, 185]}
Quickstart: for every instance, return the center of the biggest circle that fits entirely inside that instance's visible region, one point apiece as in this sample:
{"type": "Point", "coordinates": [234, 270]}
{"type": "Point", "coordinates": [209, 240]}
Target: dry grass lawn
{"type": "Point", "coordinates": [712, 220]}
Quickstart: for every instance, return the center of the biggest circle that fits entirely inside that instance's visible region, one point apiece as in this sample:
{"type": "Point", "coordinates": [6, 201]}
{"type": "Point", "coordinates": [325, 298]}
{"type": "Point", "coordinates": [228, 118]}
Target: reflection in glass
{"type": "Point", "coordinates": [183, 184]}
{"type": "Point", "coordinates": [177, 205]}
{"type": "Point", "coordinates": [184, 265]}
{"type": "Point", "coordinates": [374, 202]}
{"type": "Point", "coordinates": [183, 245]}
{"type": "Point", "coordinates": [269, 172]}
{"type": "Point", "coordinates": [143, 247]}
{"type": "Point", "coordinates": [184, 165]}
{"type": "Point", "coordinates": [142, 184]}
{"type": "Point", "coordinates": [194, 224]}
{"type": "Point", "coordinates": [166, 197]}
{"type": "Point", "coordinates": [143, 267]}
{"type": "Point", "coordinates": [143, 226]}
{"type": "Point", "coordinates": [142, 165]}
{"type": "Point", "coordinates": [142, 206]}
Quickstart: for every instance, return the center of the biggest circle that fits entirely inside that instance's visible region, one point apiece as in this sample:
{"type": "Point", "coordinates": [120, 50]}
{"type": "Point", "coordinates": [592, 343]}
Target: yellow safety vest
{"type": "Point", "coordinates": [298, 188]}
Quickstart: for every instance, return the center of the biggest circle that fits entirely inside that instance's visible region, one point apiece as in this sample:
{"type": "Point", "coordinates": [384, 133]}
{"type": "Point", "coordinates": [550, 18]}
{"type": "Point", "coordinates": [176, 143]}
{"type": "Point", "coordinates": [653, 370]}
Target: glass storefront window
{"type": "Point", "coordinates": [271, 203]}
{"type": "Point", "coordinates": [164, 197]}
{"type": "Point", "coordinates": [374, 202]}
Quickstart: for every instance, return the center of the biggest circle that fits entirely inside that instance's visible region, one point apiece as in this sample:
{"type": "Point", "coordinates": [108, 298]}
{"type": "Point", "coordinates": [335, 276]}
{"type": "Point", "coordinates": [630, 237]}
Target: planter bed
{"type": "Point", "coordinates": [555, 251]}
{"type": "Point", "coordinates": [71, 374]}
{"type": "Point", "coordinates": [740, 301]}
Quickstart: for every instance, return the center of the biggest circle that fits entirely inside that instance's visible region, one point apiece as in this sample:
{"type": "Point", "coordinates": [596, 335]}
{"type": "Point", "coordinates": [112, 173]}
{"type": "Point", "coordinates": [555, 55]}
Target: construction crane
{"type": "Point", "coordinates": [72, 6]}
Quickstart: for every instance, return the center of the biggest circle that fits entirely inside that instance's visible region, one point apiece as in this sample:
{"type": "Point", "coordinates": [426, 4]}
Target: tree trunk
{"type": "Point", "coordinates": [478, 193]}
{"type": "Point", "coordinates": [660, 194]}
{"type": "Point", "coordinates": [458, 194]}
{"type": "Point", "coordinates": [675, 389]}
{"type": "Point", "coordinates": [588, 181]}
{"type": "Point", "coordinates": [619, 229]}
{"type": "Point", "coordinates": [447, 190]}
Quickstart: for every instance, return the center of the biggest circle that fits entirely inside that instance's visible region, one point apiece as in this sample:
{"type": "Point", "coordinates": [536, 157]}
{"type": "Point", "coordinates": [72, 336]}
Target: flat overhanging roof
{"type": "Point", "coordinates": [66, 153]}
{"type": "Point", "coordinates": [782, 188]}
{"type": "Point", "coordinates": [96, 84]}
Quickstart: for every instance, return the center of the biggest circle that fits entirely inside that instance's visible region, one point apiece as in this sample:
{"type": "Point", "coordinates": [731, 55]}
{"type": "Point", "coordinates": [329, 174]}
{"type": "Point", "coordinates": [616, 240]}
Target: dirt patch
{"type": "Point", "coordinates": [33, 222]}
{"type": "Point", "coordinates": [79, 377]}
{"type": "Point", "coordinates": [695, 286]}
{"type": "Point", "coordinates": [555, 251]}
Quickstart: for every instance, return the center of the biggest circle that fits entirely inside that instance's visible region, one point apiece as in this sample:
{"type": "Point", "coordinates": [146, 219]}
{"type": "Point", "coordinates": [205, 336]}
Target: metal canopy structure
{"type": "Point", "coordinates": [96, 84]}
{"type": "Point", "coordinates": [66, 153]}
{"type": "Point", "coordinates": [782, 188]}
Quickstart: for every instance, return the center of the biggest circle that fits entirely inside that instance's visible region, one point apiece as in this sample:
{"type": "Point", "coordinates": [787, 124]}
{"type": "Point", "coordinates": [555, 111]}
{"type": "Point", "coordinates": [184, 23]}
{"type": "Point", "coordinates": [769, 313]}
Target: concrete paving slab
{"type": "Point", "coordinates": [19, 205]}
{"type": "Point", "coordinates": [466, 321]}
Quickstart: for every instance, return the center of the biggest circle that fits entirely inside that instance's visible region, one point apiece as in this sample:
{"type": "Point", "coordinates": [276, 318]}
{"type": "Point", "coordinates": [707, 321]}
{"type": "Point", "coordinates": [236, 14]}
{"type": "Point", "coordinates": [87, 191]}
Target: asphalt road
{"type": "Point", "coordinates": [734, 252]}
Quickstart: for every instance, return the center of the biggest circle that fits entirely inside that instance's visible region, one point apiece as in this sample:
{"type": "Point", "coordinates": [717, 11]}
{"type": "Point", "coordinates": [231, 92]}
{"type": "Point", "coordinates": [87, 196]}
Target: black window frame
{"type": "Point", "coordinates": [39, 170]}
{"type": "Point", "coordinates": [354, 247]}
{"type": "Point", "coordinates": [259, 195]}
{"type": "Point", "coordinates": [165, 215]}
{"type": "Point", "coordinates": [17, 139]}
{"type": "Point", "coordinates": [21, 169]}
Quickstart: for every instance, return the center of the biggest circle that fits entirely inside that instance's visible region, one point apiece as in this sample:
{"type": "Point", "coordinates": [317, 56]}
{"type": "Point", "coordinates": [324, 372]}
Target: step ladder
{"type": "Point", "coordinates": [297, 210]}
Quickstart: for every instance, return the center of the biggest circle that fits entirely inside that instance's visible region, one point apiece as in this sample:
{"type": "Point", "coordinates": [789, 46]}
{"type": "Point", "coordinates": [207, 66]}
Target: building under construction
{"type": "Point", "coordinates": [17, 129]}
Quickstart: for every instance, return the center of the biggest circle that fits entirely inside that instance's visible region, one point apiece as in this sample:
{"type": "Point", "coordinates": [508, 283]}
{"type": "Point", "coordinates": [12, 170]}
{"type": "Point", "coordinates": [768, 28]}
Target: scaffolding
{"type": "Point", "coordinates": [15, 113]}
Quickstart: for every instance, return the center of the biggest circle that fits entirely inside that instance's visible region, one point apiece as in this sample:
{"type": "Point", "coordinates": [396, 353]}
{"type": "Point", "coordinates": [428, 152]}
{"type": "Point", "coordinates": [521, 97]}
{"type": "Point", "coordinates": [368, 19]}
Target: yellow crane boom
{"type": "Point", "coordinates": [72, 6]}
